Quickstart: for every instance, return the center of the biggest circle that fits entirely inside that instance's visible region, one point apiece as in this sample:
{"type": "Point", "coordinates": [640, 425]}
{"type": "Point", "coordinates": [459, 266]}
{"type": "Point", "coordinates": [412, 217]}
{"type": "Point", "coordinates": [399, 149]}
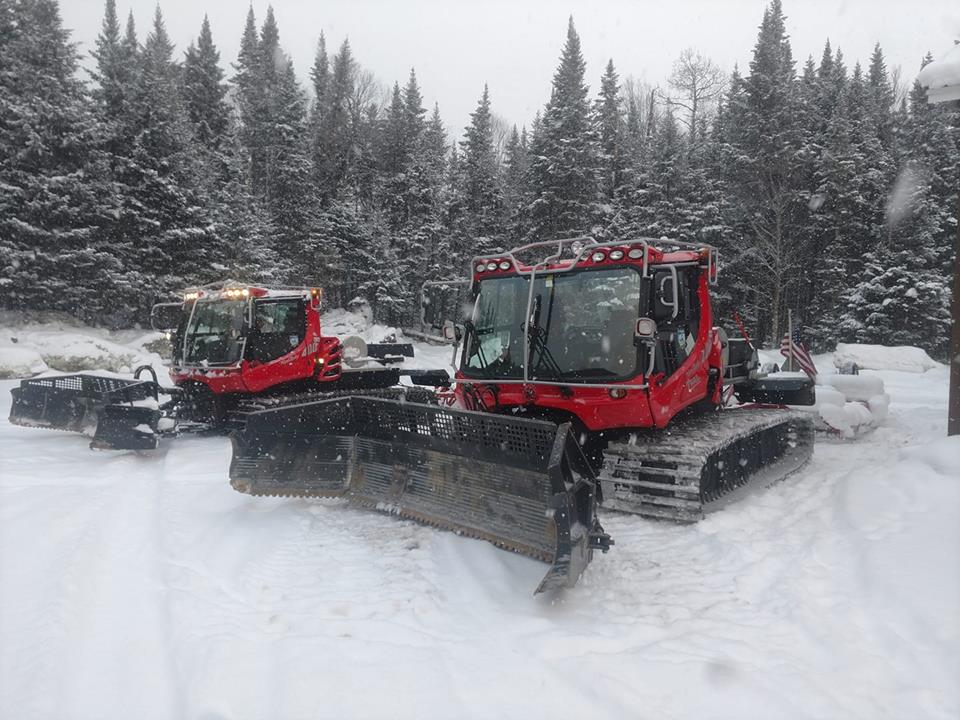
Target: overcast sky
{"type": "Point", "coordinates": [456, 46]}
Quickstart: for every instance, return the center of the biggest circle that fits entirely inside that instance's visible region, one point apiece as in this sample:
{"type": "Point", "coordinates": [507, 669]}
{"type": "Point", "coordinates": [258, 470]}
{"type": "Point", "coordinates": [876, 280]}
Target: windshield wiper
{"type": "Point", "coordinates": [538, 343]}
{"type": "Point", "coordinates": [474, 337]}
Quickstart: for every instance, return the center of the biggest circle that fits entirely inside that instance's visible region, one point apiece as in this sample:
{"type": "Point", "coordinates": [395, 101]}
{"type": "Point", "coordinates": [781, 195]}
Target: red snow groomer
{"type": "Point", "coordinates": [590, 372]}
{"type": "Point", "coordinates": [234, 349]}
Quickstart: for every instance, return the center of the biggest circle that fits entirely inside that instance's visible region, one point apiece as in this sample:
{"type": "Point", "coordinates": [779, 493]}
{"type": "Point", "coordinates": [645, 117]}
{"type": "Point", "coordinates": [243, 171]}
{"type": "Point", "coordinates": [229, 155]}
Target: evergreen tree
{"type": "Point", "coordinates": [762, 159]}
{"type": "Point", "coordinates": [482, 200]}
{"type": "Point", "coordinates": [516, 186]}
{"type": "Point", "coordinates": [170, 236]}
{"type": "Point", "coordinates": [51, 254]}
{"type": "Point", "coordinates": [563, 165]}
{"type": "Point", "coordinates": [320, 77]}
{"type": "Point", "coordinates": [204, 90]}
{"type": "Point", "coordinates": [334, 143]}
{"type": "Point", "coordinates": [610, 124]}
{"type": "Point", "coordinates": [904, 296]}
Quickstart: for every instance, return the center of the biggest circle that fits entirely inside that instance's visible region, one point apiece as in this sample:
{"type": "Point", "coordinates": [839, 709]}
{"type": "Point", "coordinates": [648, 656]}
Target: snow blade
{"type": "Point", "coordinates": [126, 427]}
{"type": "Point", "coordinates": [72, 402]}
{"type": "Point", "coordinates": [773, 390]}
{"type": "Point", "coordinates": [523, 485]}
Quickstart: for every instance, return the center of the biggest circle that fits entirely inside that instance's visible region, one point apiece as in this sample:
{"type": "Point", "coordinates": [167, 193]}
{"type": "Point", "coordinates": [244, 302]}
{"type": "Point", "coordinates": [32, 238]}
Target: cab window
{"type": "Point", "coordinates": [278, 327]}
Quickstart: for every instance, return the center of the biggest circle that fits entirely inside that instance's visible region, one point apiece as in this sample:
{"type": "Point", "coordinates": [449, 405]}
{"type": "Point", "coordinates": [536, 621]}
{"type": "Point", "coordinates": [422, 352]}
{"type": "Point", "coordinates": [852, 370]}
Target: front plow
{"type": "Point", "coordinates": [523, 485]}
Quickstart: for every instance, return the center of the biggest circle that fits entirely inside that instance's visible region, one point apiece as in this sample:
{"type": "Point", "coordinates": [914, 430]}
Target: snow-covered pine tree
{"type": "Point", "coordinates": [248, 86]}
{"type": "Point", "coordinates": [238, 225]}
{"type": "Point", "coordinates": [320, 80]}
{"type": "Point", "coordinates": [273, 131]}
{"type": "Point", "coordinates": [171, 239]}
{"type": "Point", "coordinates": [609, 120]}
{"type": "Point", "coordinates": [516, 186]}
{"type": "Point", "coordinates": [904, 296]}
{"type": "Point", "coordinates": [881, 97]}
{"type": "Point", "coordinates": [51, 171]}
{"type": "Point", "coordinates": [563, 165]}
{"type": "Point", "coordinates": [482, 201]}
{"type": "Point", "coordinates": [853, 174]}
{"type": "Point", "coordinates": [762, 147]}
{"type": "Point", "coordinates": [334, 154]}
{"type": "Point", "coordinates": [204, 90]}
{"type": "Point", "coordinates": [431, 154]}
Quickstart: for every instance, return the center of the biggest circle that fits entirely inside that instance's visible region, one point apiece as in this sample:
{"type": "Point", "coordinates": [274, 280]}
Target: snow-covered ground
{"type": "Point", "coordinates": [143, 586]}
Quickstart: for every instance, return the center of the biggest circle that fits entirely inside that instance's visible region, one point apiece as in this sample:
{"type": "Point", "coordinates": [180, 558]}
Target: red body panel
{"type": "Point", "coordinates": [596, 409]}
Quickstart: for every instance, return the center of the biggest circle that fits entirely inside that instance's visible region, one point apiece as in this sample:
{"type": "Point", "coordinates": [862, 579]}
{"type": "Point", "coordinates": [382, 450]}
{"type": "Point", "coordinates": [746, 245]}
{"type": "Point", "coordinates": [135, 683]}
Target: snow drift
{"type": "Point", "coordinates": [880, 357]}
{"type": "Point", "coordinates": [20, 362]}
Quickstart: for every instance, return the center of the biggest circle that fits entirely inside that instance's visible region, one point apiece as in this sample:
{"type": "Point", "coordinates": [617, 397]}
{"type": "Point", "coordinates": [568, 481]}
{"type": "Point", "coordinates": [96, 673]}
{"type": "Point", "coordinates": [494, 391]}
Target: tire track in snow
{"type": "Point", "coordinates": [117, 648]}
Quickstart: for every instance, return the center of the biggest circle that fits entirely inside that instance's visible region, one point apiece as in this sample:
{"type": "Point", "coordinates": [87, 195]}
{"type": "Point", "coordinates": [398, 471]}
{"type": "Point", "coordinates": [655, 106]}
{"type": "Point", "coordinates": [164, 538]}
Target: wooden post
{"type": "Point", "coordinates": [953, 404]}
{"type": "Point", "coordinates": [949, 92]}
{"type": "Point", "coordinates": [790, 363]}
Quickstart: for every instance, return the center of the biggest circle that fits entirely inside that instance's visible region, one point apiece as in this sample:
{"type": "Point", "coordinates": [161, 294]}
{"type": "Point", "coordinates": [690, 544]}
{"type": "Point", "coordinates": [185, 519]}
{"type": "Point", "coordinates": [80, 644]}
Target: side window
{"type": "Point", "coordinates": [690, 311]}
{"type": "Point", "coordinates": [278, 328]}
{"type": "Point", "coordinates": [677, 335]}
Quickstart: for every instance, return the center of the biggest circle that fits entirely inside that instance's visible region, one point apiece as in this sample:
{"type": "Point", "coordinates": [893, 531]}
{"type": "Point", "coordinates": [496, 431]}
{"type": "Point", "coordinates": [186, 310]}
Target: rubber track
{"type": "Point", "coordinates": [698, 463]}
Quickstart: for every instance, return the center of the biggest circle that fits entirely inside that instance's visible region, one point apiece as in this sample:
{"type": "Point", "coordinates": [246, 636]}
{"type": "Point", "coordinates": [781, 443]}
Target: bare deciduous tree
{"type": "Point", "coordinates": [699, 82]}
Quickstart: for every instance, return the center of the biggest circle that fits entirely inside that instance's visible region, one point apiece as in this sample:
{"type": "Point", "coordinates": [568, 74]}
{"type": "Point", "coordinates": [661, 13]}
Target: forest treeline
{"type": "Point", "coordinates": [830, 190]}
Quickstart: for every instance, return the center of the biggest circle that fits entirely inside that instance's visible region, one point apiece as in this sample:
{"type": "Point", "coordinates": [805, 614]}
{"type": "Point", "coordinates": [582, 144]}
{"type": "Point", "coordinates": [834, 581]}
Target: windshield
{"type": "Point", "coordinates": [215, 333]}
{"type": "Point", "coordinates": [583, 327]}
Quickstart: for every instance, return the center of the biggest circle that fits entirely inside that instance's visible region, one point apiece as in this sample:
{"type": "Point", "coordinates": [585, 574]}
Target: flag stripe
{"type": "Point", "coordinates": [795, 345]}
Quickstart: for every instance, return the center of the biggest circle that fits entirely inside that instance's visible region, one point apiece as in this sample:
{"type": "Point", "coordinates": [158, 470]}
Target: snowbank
{"type": "Point", "coordinates": [20, 362]}
{"type": "Point", "coordinates": [881, 357]}
{"type": "Point", "coordinates": [74, 348]}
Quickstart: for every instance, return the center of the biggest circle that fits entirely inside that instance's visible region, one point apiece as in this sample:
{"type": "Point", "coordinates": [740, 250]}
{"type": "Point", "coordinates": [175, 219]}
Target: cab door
{"type": "Point", "coordinates": [275, 351]}
{"type": "Point", "coordinates": [681, 368]}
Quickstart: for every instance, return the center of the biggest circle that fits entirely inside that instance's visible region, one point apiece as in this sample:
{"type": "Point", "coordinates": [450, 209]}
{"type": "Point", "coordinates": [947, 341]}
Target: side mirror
{"type": "Point", "coordinates": [166, 317]}
{"type": "Point", "coordinates": [452, 332]}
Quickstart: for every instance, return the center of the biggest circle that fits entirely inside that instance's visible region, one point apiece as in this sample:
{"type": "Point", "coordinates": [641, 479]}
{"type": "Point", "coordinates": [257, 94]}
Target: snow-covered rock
{"type": "Point", "coordinates": [20, 362]}
{"type": "Point", "coordinates": [881, 357]}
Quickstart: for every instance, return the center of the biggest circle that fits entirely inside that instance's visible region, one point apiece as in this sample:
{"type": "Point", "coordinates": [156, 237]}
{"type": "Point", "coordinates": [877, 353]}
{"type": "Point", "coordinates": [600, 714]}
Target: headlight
{"type": "Point", "coordinates": [635, 253]}
{"type": "Point", "coordinates": [481, 267]}
{"type": "Point", "coordinates": [598, 257]}
{"type": "Point", "coordinates": [491, 265]}
{"type": "Point", "coordinates": [616, 254]}
{"type": "Point", "coordinates": [505, 265]}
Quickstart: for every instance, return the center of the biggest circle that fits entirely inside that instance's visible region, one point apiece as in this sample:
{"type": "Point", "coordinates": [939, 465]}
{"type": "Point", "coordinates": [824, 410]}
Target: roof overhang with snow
{"type": "Point", "coordinates": [942, 77]}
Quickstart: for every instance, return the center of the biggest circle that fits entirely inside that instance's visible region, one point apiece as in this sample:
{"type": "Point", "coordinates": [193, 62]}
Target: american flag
{"type": "Point", "coordinates": [800, 353]}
